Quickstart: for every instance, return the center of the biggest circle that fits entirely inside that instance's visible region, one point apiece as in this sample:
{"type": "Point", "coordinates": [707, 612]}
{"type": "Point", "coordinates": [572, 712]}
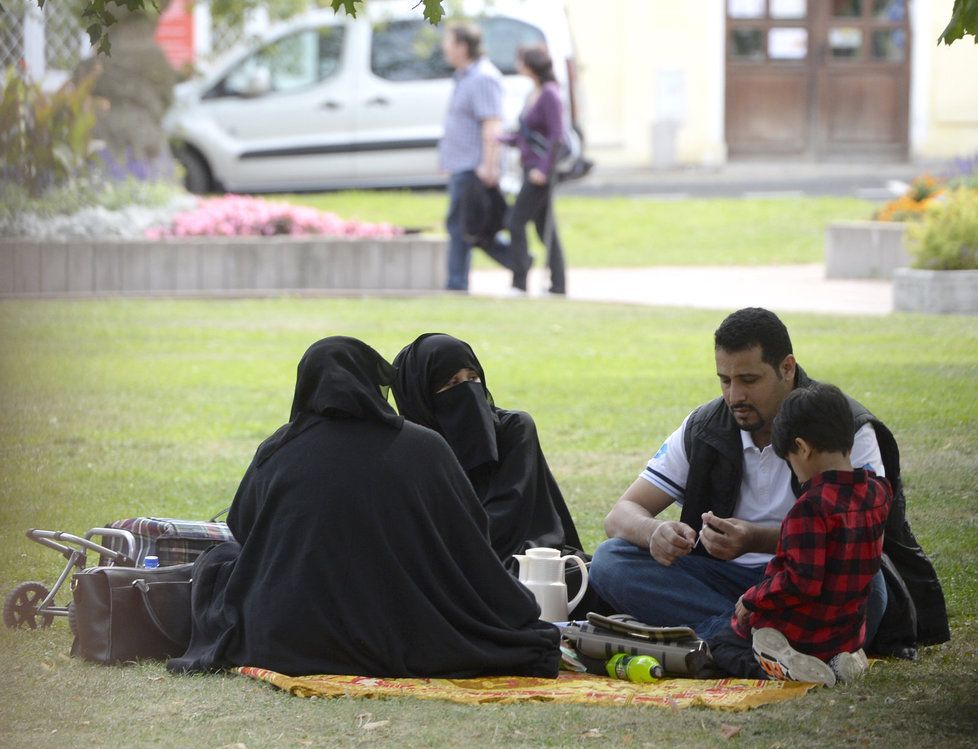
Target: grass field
{"type": "Point", "coordinates": [634, 232]}
{"type": "Point", "coordinates": [116, 408]}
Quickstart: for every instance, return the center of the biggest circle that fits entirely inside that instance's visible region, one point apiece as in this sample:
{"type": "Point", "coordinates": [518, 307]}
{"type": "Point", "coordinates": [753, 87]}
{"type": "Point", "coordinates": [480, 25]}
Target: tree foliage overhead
{"type": "Point", "coordinates": [964, 22]}
{"type": "Point", "coordinates": [98, 15]}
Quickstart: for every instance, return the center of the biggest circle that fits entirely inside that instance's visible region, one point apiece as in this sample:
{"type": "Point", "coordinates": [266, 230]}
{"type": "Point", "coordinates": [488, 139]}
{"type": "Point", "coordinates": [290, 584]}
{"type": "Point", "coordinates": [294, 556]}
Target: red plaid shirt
{"type": "Point", "coordinates": [815, 588]}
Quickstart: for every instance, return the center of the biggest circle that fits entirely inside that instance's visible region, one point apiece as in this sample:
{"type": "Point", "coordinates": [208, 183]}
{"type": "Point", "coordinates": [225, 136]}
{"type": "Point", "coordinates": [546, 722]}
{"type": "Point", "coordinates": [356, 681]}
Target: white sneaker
{"type": "Point", "coordinates": [782, 662]}
{"type": "Point", "coordinates": [848, 667]}
{"type": "Point", "coordinates": [513, 291]}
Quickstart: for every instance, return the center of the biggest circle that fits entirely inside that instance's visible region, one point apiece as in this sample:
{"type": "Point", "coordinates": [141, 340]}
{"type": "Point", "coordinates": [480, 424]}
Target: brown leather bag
{"type": "Point", "coordinates": [130, 613]}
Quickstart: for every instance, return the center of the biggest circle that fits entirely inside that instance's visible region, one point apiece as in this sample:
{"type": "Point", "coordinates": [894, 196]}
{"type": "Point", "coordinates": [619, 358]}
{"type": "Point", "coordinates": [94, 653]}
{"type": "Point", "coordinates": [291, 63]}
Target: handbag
{"type": "Point", "coordinates": [678, 649]}
{"type": "Point", "coordinates": [130, 613]}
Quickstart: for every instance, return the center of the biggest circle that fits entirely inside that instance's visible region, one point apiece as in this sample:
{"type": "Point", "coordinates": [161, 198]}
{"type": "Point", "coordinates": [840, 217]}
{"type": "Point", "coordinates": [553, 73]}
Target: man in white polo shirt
{"type": "Point", "coordinates": [734, 491]}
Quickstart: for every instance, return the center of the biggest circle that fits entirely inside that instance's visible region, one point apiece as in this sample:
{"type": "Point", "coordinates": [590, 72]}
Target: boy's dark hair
{"type": "Point", "coordinates": [819, 414]}
{"type": "Point", "coordinates": [469, 34]}
{"type": "Point", "coordinates": [754, 326]}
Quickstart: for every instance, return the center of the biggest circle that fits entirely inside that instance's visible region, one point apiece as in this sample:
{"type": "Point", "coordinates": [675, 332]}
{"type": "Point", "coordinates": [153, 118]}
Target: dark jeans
{"type": "Point", "coordinates": [534, 203]}
{"type": "Point", "coordinates": [459, 250]}
{"type": "Point", "coordinates": [734, 655]}
{"type": "Point", "coordinates": [694, 591]}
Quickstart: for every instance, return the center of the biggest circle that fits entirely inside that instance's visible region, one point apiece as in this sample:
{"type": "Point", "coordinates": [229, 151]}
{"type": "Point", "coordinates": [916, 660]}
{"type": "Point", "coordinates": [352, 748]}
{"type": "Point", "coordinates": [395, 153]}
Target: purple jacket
{"type": "Point", "coordinates": [541, 131]}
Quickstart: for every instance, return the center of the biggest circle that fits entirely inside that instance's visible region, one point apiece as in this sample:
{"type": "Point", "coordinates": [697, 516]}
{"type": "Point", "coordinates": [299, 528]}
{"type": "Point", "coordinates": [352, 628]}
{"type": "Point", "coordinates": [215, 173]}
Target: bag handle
{"type": "Point", "coordinates": [143, 587]}
{"type": "Point", "coordinates": [222, 512]}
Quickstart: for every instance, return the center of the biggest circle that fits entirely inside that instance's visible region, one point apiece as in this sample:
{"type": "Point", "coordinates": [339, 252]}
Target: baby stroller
{"type": "Point", "coordinates": [125, 543]}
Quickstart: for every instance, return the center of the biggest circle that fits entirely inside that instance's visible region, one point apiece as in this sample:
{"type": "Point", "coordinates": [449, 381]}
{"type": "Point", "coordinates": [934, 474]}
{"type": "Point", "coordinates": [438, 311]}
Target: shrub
{"type": "Point", "coordinates": [947, 238]}
{"type": "Point", "coordinates": [45, 139]}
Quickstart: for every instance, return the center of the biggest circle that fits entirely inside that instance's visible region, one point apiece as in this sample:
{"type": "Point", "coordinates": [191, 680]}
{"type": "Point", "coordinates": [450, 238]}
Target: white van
{"type": "Point", "coordinates": [327, 101]}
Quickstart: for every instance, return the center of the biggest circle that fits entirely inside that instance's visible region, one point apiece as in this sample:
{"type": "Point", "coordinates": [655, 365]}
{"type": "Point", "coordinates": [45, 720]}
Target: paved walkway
{"type": "Point", "coordinates": [785, 288]}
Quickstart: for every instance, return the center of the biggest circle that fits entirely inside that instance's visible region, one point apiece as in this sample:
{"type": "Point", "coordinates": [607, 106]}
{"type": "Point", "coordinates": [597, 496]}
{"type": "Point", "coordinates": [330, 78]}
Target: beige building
{"type": "Point", "coordinates": [702, 82]}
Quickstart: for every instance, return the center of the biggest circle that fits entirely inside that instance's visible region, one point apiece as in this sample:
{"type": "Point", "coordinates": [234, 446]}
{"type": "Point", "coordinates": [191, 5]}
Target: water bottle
{"type": "Point", "coordinates": [640, 669]}
{"type": "Point", "coordinates": [151, 562]}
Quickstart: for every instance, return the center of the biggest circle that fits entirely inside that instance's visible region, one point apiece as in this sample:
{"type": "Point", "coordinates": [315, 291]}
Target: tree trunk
{"type": "Point", "coordinates": [137, 82]}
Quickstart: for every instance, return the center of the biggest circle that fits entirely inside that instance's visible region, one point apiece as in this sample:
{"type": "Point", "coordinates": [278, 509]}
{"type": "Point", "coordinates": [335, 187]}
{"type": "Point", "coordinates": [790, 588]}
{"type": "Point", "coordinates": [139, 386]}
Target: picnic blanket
{"type": "Point", "coordinates": [568, 687]}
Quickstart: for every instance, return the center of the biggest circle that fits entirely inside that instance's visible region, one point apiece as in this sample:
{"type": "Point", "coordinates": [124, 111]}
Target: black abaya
{"type": "Point", "coordinates": [363, 549]}
{"type": "Point", "coordinates": [513, 481]}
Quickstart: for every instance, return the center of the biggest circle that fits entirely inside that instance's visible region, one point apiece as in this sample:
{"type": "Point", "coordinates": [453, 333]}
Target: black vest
{"type": "Point", "coordinates": [916, 612]}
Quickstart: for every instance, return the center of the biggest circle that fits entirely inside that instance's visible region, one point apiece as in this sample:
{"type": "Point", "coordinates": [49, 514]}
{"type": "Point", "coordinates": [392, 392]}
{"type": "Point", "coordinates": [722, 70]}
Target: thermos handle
{"type": "Point", "coordinates": [580, 593]}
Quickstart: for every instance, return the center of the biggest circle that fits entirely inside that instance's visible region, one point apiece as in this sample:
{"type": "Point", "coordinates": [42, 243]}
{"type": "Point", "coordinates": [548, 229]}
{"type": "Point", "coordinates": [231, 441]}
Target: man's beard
{"type": "Point", "coordinates": [750, 427]}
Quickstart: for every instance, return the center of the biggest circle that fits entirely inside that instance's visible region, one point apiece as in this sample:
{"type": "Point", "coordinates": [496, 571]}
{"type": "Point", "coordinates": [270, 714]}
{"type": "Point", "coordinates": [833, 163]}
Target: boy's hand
{"type": "Point", "coordinates": [743, 615]}
{"type": "Point", "coordinates": [725, 538]}
{"type": "Point", "coordinates": [671, 540]}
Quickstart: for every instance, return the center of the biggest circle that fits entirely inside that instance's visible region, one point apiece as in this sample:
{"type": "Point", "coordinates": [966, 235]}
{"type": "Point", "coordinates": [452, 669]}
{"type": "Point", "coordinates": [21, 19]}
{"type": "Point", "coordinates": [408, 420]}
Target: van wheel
{"type": "Point", "coordinates": [197, 175]}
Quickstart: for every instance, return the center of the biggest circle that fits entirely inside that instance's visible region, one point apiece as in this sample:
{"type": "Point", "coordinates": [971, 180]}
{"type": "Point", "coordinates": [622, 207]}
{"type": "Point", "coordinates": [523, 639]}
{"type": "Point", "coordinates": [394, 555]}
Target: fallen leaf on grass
{"type": "Point", "coordinates": [728, 731]}
{"type": "Point", "coordinates": [591, 733]}
{"type": "Point", "coordinates": [374, 725]}
{"type": "Point", "coordinates": [239, 745]}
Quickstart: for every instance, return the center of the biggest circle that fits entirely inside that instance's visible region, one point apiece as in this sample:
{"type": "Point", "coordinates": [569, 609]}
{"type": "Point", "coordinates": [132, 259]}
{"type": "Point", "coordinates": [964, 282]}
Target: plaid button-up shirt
{"type": "Point", "coordinates": [815, 588]}
{"type": "Point", "coordinates": [477, 96]}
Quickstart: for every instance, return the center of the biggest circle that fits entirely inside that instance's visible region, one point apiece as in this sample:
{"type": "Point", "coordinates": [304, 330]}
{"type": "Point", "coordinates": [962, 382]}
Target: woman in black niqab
{"type": "Point", "coordinates": [363, 549]}
{"type": "Point", "coordinates": [498, 449]}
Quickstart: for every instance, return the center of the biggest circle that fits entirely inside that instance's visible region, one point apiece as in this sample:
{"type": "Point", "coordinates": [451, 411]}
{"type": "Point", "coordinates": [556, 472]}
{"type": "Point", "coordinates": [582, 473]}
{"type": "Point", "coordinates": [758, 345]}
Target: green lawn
{"type": "Point", "coordinates": [117, 408]}
{"type": "Point", "coordinates": [634, 232]}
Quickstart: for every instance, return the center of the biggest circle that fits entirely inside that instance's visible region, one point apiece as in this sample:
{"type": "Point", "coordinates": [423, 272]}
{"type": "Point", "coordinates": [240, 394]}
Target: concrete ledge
{"type": "Point", "coordinates": [865, 249]}
{"type": "Point", "coordinates": [936, 291]}
{"type": "Point", "coordinates": [225, 266]}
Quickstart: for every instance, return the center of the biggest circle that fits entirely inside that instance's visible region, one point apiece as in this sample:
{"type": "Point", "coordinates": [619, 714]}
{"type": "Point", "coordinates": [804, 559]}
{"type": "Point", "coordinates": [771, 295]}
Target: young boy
{"type": "Point", "coordinates": [807, 616]}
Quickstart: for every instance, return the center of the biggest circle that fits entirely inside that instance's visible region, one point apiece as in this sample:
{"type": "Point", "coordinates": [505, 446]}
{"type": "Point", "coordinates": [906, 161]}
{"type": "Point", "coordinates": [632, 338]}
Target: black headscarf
{"type": "Point", "coordinates": [363, 550]}
{"type": "Point", "coordinates": [514, 483]}
{"type": "Point", "coordinates": [464, 415]}
{"type": "Point", "coordinates": [337, 377]}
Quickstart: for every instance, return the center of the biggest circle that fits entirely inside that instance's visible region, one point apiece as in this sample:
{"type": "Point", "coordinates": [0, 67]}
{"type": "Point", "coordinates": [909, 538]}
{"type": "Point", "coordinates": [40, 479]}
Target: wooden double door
{"type": "Point", "coordinates": [820, 79]}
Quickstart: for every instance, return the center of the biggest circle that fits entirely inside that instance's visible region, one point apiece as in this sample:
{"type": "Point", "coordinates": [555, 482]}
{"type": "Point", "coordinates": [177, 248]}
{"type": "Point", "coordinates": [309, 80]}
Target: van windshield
{"type": "Point", "coordinates": [411, 50]}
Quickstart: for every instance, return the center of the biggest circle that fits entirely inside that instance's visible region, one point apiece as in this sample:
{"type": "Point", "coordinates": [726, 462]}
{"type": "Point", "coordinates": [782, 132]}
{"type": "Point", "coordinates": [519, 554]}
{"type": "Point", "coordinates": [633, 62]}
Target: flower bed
{"type": "Point", "coordinates": [230, 245]}
{"type": "Point", "coordinates": [877, 248]}
{"type": "Point", "coordinates": [242, 216]}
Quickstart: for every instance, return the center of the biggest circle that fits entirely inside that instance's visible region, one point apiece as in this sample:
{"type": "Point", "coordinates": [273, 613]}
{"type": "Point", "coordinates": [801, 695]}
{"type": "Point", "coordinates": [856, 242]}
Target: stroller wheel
{"type": "Point", "coordinates": [20, 607]}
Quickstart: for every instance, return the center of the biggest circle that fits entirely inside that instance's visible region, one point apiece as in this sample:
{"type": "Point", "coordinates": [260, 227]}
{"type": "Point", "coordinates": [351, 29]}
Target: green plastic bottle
{"type": "Point", "coordinates": [640, 669]}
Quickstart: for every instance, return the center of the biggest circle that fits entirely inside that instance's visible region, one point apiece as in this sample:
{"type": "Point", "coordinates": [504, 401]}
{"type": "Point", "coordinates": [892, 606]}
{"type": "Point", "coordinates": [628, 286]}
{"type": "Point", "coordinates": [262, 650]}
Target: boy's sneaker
{"type": "Point", "coordinates": [848, 667]}
{"type": "Point", "coordinates": [782, 662]}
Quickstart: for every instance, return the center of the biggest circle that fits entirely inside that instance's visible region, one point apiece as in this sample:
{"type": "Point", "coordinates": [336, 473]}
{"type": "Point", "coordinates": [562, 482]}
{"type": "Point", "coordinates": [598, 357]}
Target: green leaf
{"type": "Point", "coordinates": [964, 21]}
{"type": "Point", "coordinates": [348, 6]}
{"type": "Point", "coordinates": [94, 32]}
{"type": "Point", "coordinates": [433, 11]}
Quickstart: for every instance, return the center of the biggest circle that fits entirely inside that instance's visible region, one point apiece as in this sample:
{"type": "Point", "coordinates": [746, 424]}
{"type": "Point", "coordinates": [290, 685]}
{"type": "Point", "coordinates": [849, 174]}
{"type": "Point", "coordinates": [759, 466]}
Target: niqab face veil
{"type": "Point", "coordinates": [464, 415]}
{"type": "Point", "coordinates": [337, 377]}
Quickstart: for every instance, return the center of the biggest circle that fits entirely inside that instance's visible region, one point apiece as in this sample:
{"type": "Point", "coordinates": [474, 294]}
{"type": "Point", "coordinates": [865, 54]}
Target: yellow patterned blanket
{"type": "Point", "coordinates": [720, 694]}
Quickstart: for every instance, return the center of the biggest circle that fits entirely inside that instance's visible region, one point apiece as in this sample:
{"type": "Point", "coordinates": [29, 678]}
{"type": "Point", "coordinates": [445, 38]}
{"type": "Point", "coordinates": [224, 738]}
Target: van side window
{"type": "Point", "coordinates": [290, 64]}
{"type": "Point", "coordinates": [503, 36]}
{"type": "Point", "coordinates": [407, 51]}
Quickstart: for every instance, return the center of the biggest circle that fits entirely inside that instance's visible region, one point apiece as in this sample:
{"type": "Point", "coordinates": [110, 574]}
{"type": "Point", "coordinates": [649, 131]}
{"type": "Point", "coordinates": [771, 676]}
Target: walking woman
{"type": "Point", "coordinates": [540, 139]}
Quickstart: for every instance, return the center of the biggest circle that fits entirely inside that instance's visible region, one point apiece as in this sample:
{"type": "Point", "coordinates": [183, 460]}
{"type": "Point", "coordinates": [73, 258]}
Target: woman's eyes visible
{"type": "Point", "coordinates": [459, 379]}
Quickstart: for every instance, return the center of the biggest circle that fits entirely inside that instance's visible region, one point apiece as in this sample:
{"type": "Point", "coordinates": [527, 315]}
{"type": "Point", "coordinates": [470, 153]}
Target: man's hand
{"type": "Point", "coordinates": [671, 540]}
{"type": "Point", "coordinates": [742, 613]}
{"type": "Point", "coordinates": [726, 538]}
{"type": "Point", "coordinates": [537, 177]}
{"type": "Point", "coordinates": [488, 175]}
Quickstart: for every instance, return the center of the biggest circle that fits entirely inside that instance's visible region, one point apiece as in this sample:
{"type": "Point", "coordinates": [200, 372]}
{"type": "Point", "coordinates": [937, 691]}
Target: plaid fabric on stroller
{"type": "Point", "coordinates": [173, 541]}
